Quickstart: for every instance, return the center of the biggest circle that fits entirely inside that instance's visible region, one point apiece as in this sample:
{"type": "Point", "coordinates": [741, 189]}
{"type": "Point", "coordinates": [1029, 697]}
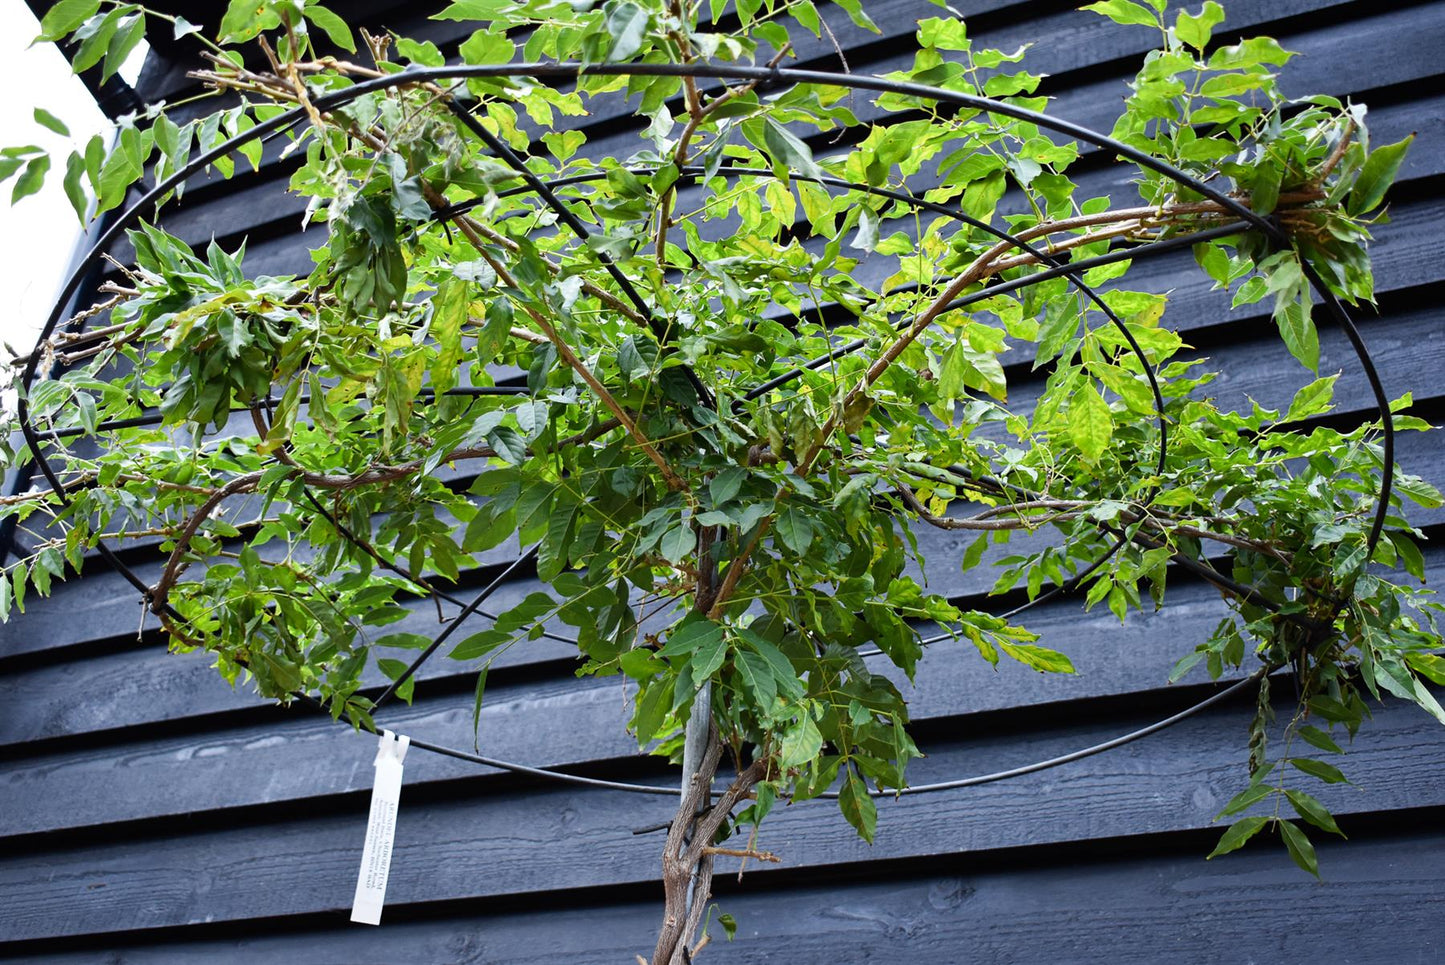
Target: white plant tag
{"type": "Point", "coordinates": [380, 830]}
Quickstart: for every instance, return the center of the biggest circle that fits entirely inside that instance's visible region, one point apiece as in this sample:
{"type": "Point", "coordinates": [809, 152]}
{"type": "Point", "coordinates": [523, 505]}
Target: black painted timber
{"type": "Point", "coordinates": [152, 815]}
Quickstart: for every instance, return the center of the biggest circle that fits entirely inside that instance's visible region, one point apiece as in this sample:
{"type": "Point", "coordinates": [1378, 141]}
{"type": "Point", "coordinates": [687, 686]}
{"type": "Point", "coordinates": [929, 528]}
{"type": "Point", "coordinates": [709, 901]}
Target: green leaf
{"type": "Point", "coordinates": [1125, 12]}
{"type": "Point", "coordinates": [727, 484]}
{"type": "Point", "coordinates": [756, 676]}
{"type": "Point", "coordinates": [474, 10]}
{"type": "Point", "coordinates": [1299, 847]}
{"type": "Point", "coordinates": [1091, 425]}
{"type": "Point", "coordinates": [1312, 399]}
{"type": "Point", "coordinates": [857, 805]}
{"type": "Point", "coordinates": [690, 633]}
{"type": "Point", "coordinates": [1237, 834]}
{"type": "Point", "coordinates": [245, 19]}
{"type": "Point", "coordinates": [65, 16]}
{"type": "Point", "coordinates": [1251, 291]}
{"type": "Point", "coordinates": [1041, 659]}
{"type": "Point", "coordinates": [479, 644]}
{"type": "Point", "coordinates": [49, 121]}
{"type": "Point", "coordinates": [1313, 811]}
{"type": "Point", "coordinates": [1185, 664]}
{"type": "Point", "coordinates": [1249, 53]}
{"type": "Point", "coordinates": [405, 641]}
{"type": "Point", "coordinates": [790, 155]}
{"type": "Point", "coordinates": [1376, 176]}
{"type": "Point", "coordinates": [1318, 738]}
{"type": "Point", "coordinates": [509, 444]}
{"type": "Point", "coordinates": [1325, 772]}
{"type": "Point", "coordinates": [653, 704]}
{"type": "Point", "coordinates": [335, 28]}
{"type": "Point", "coordinates": [1245, 799]}
{"type": "Point", "coordinates": [854, 9]}
{"type": "Point", "coordinates": [449, 314]}
{"type": "Point", "coordinates": [801, 743]}
{"type": "Point", "coordinates": [1264, 192]}
{"type": "Point", "coordinates": [676, 543]}
{"type": "Point", "coordinates": [95, 36]}
{"type": "Point", "coordinates": [1298, 331]}
{"type": "Point", "coordinates": [119, 172]}
{"type": "Point", "coordinates": [626, 24]}
{"type": "Point", "coordinates": [393, 670]}
{"type": "Point", "coordinates": [1428, 665]}
{"type": "Point", "coordinates": [795, 528]}
{"type": "Point", "coordinates": [33, 178]}
{"type": "Point", "coordinates": [708, 657]}
{"type": "Point", "coordinates": [486, 47]}
{"type": "Point", "coordinates": [128, 35]}
{"type": "Point", "coordinates": [74, 190]}
{"type": "Point", "coordinates": [1195, 29]}
{"type": "Point", "coordinates": [783, 673]}
{"type": "Point", "coordinates": [1419, 491]}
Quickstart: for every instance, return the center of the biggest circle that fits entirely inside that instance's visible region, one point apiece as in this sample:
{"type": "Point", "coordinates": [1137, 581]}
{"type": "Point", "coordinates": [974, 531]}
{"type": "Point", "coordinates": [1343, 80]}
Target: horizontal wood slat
{"type": "Point", "coordinates": [258, 202]}
{"type": "Point", "coordinates": [1156, 900]}
{"type": "Point", "coordinates": [524, 841]}
{"type": "Point", "coordinates": [154, 816]}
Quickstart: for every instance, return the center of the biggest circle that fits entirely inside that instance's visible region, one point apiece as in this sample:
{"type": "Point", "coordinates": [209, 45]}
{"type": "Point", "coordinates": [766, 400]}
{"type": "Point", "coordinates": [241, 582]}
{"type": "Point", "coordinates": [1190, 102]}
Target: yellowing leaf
{"type": "Point", "coordinates": [1091, 425]}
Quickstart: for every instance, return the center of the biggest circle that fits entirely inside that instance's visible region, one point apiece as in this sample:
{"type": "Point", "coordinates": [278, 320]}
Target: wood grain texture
{"type": "Point", "coordinates": [166, 819]}
{"type": "Point", "coordinates": [258, 204]}
{"type": "Point", "coordinates": [228, 729]}
{"type": "Point", "coordinates": [483, 842]}
{"type": "Point", "coordinates": [1156, 902]}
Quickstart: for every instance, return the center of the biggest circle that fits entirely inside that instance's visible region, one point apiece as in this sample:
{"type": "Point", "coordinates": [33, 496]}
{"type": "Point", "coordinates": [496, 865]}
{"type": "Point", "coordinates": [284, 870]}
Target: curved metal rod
{"type": "Point", "coordinates": [502, 150]}
{"type": "Point", "coordinates": [1077, 755]}
{"type": "Point", "coordinates": [571, 71]}
{"type": "Point", "coordinates": [974, 781]}
{"type": "Point", "coordinates": [452, 626]}
{"type": "Point", "coordinates": [774, 75]}
{"type": "Point", "coordinates": [153, 416]}
{"type": "Point", "coordinates": [903, 197]}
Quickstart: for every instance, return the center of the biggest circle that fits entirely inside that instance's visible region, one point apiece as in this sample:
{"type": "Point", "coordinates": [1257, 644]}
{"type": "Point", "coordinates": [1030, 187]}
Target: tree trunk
{"type": "Point", "coordinates": [686, 862]}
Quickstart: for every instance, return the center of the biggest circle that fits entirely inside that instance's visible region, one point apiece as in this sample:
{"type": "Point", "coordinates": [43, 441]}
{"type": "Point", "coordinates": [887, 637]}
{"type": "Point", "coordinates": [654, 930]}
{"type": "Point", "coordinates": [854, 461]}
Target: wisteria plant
{"type": "Point", "coordinates": [659, 372]}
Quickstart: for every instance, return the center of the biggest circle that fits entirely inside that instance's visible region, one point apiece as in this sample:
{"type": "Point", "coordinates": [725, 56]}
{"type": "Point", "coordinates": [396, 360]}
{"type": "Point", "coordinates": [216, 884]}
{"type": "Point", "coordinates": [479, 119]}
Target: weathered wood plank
{"type": "Point", "coordinates": [103, 606]}
{"type": "Point", "coordinates": [254, 197]}
{"type": "Point", "coordinates": [516, 842]}
{"type": "Point", "coordinates": [149, 686]}
{"type": "Point", "coordinates": [275, 755]}
{"type": "Point", "coordinates": [1383, 891]}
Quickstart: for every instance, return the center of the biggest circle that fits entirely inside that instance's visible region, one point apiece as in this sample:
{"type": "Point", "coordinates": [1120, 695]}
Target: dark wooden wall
{"type": "Point", "coordinates": [149, 814]}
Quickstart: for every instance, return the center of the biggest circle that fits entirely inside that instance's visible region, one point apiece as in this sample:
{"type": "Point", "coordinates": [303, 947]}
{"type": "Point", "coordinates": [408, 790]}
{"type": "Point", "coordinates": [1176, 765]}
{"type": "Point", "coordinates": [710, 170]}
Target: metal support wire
{"type": "Point", "coordinates": [903, 197]}
{"type": "Point", "coordinates": [451, 627]}
{"type": "Point", "coordinates": [973, 781]}
{"type": "Point", "coordinates": [656, 325]}
{"type": "Point", "coordinates": [563, 72]}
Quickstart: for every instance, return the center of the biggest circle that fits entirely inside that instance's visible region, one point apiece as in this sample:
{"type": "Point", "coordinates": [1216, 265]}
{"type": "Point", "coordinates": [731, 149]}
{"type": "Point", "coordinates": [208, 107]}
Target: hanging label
{"type": "Point", "coordinates": [380, 830]}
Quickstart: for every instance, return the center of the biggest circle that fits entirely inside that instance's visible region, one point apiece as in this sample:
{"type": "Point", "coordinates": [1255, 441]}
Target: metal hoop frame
{"type": "Point", "coordinates": [765, 77]}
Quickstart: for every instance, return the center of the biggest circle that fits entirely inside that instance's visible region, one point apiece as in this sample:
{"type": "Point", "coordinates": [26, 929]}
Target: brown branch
{"type": "Point", "coordinates": [697, 114]}
{"type": "Point", "coordinates": [736, 570]}
{"type": "Point", "coordinates": [564, 351]}
{"type": "Point", "coordinates": [1337, 154]}
{"type": "Point", "coordinates": [745, 853]}
{"type": "Point", "coordinates": [162, 588]}
{"type": "Point", "coordinates": [977, 523]}
{"type": "Point", "coordinates": [676, 870]}
{"type": "Point", "coordinates": [989, 264]}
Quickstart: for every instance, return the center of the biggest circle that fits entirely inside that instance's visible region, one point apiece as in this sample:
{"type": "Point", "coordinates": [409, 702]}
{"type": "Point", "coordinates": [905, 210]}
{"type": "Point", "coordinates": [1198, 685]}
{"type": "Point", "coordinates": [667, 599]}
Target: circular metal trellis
{"type": "Point", "coordinates": [768, 77]}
